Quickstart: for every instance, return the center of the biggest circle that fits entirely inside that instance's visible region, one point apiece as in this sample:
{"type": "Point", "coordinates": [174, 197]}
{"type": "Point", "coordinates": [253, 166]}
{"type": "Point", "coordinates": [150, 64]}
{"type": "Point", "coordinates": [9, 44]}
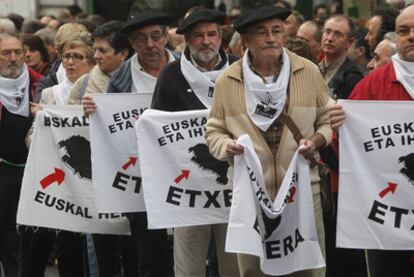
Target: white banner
{"type": "Point", "coordinates": [376, 179]}
{"type": "Point", "coordinates": [283, 232]}
{"type": "Point", "coordinates": [115, 162]}
{"type": "Point", "coordinates": [183, 183]}
{"type": "Point", "coordinates": [57, 189]}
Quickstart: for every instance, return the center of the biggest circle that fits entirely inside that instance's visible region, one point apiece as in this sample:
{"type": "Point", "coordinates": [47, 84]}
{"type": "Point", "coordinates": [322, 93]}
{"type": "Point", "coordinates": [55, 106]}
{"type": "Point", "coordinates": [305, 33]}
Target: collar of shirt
{"type": "Point", "coordinates": [329, 70]}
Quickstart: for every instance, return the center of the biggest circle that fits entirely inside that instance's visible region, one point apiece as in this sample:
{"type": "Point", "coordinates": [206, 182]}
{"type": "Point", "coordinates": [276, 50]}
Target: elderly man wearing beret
{"type": "Point", "coordinates": [187, 84]}
{"type": "Point", "coordinates": [145, 252]}
{"type": "Point", "coordinates": [254, 94]}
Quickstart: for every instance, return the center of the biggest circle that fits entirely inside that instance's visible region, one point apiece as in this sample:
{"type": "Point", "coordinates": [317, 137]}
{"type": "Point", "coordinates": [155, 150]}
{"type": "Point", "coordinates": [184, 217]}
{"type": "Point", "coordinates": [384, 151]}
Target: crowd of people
{"type": "Point", "coordinates": [306, 66]}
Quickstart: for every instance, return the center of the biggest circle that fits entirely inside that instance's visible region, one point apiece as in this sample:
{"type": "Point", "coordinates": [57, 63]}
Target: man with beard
{"type": "Point", "coordinates": [392, 81]}
{"type": "Point", "coordinates": [241, 106]}
{"type": "Point", "coordinates": [17, 87]}
{"type": "Point", "coordinates": [187, 84]}
{"type": "Point", "coordinates": [147, 35]}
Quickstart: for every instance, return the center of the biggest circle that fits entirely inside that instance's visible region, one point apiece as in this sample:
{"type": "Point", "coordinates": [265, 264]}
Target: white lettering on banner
{"type": "Point", "coordinates": [184, 185]}
{"type": "Point", "coordinates": [376, 181]}
{"type": "Point", "coordinates": [56, 190]}
{"type": "Point", "coordinates": [281, 232]}
{"type": "Point", "coordinates": [115, 161]}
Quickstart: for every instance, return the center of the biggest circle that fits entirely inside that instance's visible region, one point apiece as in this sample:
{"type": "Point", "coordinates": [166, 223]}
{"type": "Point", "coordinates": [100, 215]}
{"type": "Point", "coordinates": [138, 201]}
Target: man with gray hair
{"type": "Point", "coordinates": [185, 85]}
{"type": "Point", "coordinates": [17, 87]}
{"type": "Point", "coordinates": [7, 26]}
{"type": "Point", "coordinates": [383, 52]}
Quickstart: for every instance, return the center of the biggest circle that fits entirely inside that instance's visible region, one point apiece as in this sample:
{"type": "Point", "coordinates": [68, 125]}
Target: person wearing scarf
{"type": "Point", "coordinates": [187, 84]}
{"type": "Point", "coordinates": [250, 97]}
{"type": "Point", "coordinates": [17, 86]}
{"type": "Point", "coordinates": [148, 250]}
{"type": "Point", "coordinates": [77, 60]}
{"type": "Point", "coordinates": [111, 50]}
{"type": "Point", "coordinates": [393, 81]}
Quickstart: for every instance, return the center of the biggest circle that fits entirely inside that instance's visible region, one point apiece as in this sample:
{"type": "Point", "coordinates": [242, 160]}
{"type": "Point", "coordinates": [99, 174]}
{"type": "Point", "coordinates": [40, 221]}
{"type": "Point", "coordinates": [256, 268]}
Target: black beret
{"type": "Point", "coordinates": [146, 18]}
{"type": "Point", "coordinates": [203, 15]}
{"type": "Point", "coordinates": [251, 16]}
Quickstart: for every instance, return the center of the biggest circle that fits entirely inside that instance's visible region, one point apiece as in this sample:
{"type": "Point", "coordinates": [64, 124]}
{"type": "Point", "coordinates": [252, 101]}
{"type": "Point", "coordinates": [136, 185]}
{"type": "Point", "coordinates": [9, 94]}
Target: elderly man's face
{"type": "Point", "coordinates": [149, 43]}
{"type": "Point", "coordinates": [265, 39]}
{"type": "Point", "coordinates": [11, 57]}
{"type": "Point", "coordinates": [405, 34]}
{"type": "Point", "coordinates": [381, 55]}
{"type": "Point", "coordinates": [204, 40]}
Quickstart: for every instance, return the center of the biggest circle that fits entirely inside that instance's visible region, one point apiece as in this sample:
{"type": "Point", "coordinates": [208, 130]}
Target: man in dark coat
{"type": "Point", "coordinates": [342, 75]}
{"type": "Point", "coordinates": [17, 86]}
{"type": "Point", "coordinates": [188, 84]}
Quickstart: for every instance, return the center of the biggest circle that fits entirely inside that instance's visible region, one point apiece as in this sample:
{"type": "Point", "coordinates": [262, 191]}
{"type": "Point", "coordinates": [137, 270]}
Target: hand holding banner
{"type": "Point", "coordinates": [376, 177]}
{"type": "Point", "coordinates": [57, 190]}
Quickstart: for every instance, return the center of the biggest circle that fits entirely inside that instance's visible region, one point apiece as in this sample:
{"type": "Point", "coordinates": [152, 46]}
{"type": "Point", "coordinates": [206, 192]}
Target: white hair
{"type": "Point", "coordinates": [7, 26]}
{"type": "Point", "coordinates": [391, 37]}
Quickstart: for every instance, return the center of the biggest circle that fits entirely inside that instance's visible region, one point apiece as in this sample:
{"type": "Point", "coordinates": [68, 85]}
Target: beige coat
{"type": "Point", "coordinates": [307, 106]}
{"type": "Point", "coordinates": [98, 83]}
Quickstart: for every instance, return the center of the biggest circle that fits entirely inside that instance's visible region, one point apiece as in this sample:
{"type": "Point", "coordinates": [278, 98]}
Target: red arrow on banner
{"type": "Point", "coordinates": [57, 176]}
{"type": "Point", "coordinates": [391, 188]}
{"type": "Point", "coordinates": [131, 161]}
{"type": "Point", "coordinates": [184, 174]}
{"type": "Point", "coordinates": [292, 191]}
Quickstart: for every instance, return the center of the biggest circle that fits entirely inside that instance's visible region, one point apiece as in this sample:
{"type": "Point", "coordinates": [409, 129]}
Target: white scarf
{"type": "Point", "coordinates": [61, 91]}
{"type": "Point", "coordinates": [141, 80]}
{"type": "Point", "coordinates": [60, 73]}
{"type": "Point", "coordinates": [14, 93]}
{"type": "Point", "coordinates": [404, 72]}
{"type": "Point", "coordinates": [265, 102]}
{"type": "Point", "coordinates": [202, 83]}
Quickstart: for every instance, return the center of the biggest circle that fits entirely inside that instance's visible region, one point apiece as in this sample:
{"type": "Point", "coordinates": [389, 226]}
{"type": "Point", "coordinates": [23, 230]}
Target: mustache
{"type": "Point", "coordinates": [271, 47]}
{"type": "Point", "coordinates": [209, 47]}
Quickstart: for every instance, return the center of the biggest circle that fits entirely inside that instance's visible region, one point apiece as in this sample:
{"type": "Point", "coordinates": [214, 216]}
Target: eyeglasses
{"type": "Point", "coordinates": [404, 31]}
{"type": "Point", "coordinates": [335, 34]}
{"type": "Point", "coordinates": [75, 57]}
{"type": "Point", "coordinates": [141, 38]}
{"type": "Point", "coordinates": [263, 33]}
{"type": "Point", "coordinates": [8, 53]}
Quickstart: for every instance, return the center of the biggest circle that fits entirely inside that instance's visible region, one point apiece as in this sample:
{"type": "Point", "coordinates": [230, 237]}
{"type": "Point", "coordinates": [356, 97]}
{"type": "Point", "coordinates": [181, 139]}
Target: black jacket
{"type": "Point", "coordinates": [340, 87]}
{"type": "Point", "coordinates": [172, 91]}
{"type": "Point", "coordinates": [344, 80]}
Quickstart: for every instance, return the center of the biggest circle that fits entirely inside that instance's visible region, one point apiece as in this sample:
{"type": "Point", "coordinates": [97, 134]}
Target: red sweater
{"type": "Point", "coordinates": [380, 85]}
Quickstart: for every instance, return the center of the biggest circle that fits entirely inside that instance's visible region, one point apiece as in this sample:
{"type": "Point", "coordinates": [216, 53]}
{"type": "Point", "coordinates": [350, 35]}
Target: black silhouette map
{"type": "Point", "coordinates": [270, 224]}
{"type": "Point", "coordinates": [206, 161]}
{"type": "Point", "coordinates": [78, 156]}
{"type": "Point", "coordinates": [408, 169]}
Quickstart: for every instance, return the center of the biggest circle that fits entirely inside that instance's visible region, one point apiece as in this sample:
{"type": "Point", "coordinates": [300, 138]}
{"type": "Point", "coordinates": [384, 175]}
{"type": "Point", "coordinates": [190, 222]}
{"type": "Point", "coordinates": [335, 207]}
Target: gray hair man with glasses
{"type": "Point", "coordinates": [341, 75]}
{"type": "Point", "coordinates": [240, 107]}
{"type": "Point", "coordinates": [337, 37]}
{"type": "Point", "coordinates": [147, 35]}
